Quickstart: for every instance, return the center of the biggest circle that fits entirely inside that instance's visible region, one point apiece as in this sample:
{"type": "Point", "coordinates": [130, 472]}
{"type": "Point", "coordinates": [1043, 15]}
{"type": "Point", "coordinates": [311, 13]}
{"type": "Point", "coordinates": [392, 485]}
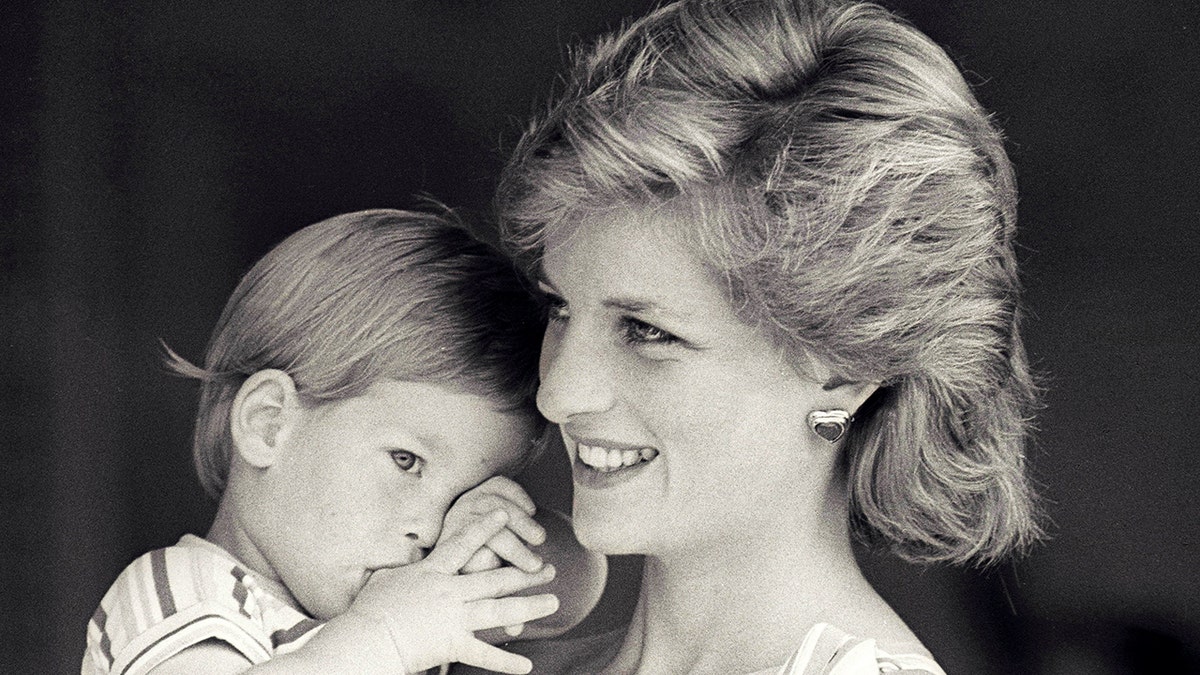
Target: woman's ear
{"type": "Point", "coordinates": [849, 396]}
{"type": "Point", "coordinates": [263, 411]}
{"type": "Point", "coordinates": [839, 393]}
{"type": "Point", "coordinates": [839, 404]}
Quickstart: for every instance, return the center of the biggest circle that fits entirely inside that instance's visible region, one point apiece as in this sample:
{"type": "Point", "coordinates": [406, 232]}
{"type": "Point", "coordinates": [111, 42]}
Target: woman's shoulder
{"type": "Point", "coordinates": [828, 650]}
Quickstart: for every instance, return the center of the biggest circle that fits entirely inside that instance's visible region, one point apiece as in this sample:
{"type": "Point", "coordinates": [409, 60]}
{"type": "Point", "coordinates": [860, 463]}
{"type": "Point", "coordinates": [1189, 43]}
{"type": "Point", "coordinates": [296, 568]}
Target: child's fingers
{"type": "Point", "coordinates": [482, 655]}
{"type": "Point", "coordinates": [520, 520]}
{"type": "Point", "coordinates": [510, 490]}
{"type": "Point", "coordinates": [484, 559]}
{"type": "Point", "coordinates": [506, 545]}
{"type": "Point", "coordinates": [515, 630]}
{"type": "Point", "coordinates": [501, 582]}
{"type": "Point", "coordinates": [451, 555]}
{"type": "Point", "coordinates": [495, 612]}
{"type": "Point", "coordinates": [525, 527]}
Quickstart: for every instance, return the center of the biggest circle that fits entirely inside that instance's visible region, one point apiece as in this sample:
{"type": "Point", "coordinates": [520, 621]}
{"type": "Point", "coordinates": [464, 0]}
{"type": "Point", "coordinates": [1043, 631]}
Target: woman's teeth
{"type": "Point", "coordinates": [611, 459]}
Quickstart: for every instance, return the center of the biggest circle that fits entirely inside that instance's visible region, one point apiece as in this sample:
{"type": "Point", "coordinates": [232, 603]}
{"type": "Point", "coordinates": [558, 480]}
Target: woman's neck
{"type": "Point", "coordinates": [743, 606]}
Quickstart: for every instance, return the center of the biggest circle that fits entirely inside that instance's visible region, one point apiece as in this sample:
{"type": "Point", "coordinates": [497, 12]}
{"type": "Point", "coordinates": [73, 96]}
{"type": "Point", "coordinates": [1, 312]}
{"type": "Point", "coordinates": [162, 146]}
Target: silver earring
{"type": "Point", "coordinates": [829, 424]}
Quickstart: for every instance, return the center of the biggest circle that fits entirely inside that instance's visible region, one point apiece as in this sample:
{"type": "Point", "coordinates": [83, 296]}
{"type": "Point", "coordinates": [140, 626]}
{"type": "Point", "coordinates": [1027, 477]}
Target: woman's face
{"type": "Point", "coordinates": [684, 425]}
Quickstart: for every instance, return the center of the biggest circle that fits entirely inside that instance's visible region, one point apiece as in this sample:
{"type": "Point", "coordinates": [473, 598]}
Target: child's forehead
{"type": "Point", "coordinates": [385, 388]}
{"type": "Point", "coordinates": [447, 418]}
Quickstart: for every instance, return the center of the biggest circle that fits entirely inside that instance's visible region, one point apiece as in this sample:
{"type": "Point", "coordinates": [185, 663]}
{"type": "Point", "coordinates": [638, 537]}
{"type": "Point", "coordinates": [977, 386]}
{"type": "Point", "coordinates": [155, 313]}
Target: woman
{"type": "Point", "coordinates": [775, 238]}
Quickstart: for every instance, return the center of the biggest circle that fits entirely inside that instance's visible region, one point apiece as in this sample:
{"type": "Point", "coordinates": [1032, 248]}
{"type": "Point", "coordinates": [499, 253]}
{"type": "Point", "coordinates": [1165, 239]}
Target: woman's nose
{"type": "Point", "coordinates": [574, 376]}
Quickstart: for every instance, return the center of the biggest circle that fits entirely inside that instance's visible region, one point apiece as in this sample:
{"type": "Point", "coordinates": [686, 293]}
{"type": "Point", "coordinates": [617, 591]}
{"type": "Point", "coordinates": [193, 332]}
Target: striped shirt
{"type": "Point", "coordinates": [829, 651]}
{"type": "Point", "coordinates": [173, 598]}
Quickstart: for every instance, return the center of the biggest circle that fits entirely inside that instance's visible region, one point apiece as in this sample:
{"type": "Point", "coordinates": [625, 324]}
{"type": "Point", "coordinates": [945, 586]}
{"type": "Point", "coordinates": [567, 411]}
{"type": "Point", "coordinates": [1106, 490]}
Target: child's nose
{"type": "Point", "coordinates": [425, 533]}
{"type": "Point", "coordinates": [422, 549]}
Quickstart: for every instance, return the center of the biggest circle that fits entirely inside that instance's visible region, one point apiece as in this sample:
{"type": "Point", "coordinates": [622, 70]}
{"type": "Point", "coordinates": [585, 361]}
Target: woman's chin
{"type": "Point", "coordinates": [610, 533]}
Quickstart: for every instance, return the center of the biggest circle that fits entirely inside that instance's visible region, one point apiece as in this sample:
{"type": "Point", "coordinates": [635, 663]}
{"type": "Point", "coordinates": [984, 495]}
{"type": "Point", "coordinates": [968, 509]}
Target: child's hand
{"type": "Point", "coordinates": [428, 611]}
{"type": "Point", "coordinates": [495, 494]}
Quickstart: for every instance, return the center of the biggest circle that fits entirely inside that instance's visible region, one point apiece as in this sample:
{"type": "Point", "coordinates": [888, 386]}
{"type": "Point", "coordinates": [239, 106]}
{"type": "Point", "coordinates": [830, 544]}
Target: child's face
{"type": "Point", "coordinates": [364, 483]}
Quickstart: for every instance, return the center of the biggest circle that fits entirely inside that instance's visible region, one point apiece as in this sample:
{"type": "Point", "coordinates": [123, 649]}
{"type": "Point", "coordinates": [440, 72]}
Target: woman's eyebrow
{"type": "Point", "coordinates": [631, 305]}
{"type": "Point", "coordinates": [643, 306]}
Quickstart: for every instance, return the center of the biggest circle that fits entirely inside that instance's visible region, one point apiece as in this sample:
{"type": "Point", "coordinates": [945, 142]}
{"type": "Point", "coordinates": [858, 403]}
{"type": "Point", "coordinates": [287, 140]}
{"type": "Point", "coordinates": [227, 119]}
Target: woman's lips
{"type": "Point", "coordinates": [612, 459]}
{"type": "Point", "coordinates": [598, 466]}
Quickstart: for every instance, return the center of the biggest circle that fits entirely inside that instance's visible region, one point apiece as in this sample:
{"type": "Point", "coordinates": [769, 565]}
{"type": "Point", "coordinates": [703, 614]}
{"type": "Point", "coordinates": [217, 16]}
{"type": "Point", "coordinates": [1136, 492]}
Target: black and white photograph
{"type": "Point", "coordinates": [642, 337]}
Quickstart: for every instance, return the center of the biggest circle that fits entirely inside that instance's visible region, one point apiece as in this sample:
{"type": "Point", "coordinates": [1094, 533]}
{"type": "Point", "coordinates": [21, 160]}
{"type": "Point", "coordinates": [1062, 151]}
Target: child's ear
{"type": "Point", "coordinates": [263, 411]}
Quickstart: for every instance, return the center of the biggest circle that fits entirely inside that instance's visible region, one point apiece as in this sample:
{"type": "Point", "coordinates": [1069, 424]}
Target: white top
{"type": "Point", "coordinates": [830, 651]}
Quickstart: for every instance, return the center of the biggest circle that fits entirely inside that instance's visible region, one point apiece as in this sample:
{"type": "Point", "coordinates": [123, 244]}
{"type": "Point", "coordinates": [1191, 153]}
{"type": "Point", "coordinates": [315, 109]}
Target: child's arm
{"type": "Point", "coordinates": [531, 537]}
{"type": "Point", "coordinates": [407, 619]}
{"type": "Point", "coordinates": [211, 656]}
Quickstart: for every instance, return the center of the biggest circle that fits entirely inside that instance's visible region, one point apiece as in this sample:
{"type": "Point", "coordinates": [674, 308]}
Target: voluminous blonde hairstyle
{"type": "Point", "coordinates": [361, 297]}
{"type": "Point", "coordinates": [857, 202]}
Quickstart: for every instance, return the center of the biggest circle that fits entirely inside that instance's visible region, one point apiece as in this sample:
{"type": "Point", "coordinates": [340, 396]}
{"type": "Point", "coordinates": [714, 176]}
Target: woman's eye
{"type": "Point", "coordinates": [408, 461]}
{"type": "Point", "coordinates": [636, 331]}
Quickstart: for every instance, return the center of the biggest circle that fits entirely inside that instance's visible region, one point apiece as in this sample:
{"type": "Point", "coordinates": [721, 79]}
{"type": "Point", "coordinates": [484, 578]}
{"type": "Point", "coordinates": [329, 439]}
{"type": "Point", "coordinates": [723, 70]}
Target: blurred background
{"type": "Point", "coordinates": [151, 153]}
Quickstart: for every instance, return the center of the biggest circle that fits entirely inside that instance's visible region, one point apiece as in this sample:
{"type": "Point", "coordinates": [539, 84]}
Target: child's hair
{"type": "Point", "coordinates": [361, 297]}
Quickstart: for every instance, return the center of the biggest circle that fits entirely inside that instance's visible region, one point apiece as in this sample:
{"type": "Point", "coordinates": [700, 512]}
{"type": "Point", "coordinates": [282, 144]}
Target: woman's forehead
{"type": "Point", "coordinates": [631, 247]}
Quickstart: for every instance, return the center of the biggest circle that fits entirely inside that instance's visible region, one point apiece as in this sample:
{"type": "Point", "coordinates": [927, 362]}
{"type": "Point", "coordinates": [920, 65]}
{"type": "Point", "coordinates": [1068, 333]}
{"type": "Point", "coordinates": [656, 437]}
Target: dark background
{"type": "Point", "coordinates": [151, 154]}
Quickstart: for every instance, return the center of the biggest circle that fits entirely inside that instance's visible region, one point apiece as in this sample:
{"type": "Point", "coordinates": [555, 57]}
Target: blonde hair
{"type": "Point", "coordinates": [859, 205]}
{"type": "Point", "coordinates": [361, 297]}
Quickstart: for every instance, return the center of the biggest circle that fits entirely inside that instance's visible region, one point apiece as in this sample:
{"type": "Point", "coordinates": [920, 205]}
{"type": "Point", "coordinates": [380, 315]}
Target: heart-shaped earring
{"type": "Point", "coordinates": [829, 424]}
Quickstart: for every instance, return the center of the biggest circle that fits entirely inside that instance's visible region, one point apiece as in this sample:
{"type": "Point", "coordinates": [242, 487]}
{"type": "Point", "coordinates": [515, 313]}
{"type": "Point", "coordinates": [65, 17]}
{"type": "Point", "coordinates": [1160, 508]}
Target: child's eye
{"type": "Point", "coordinates": [638, 332]}
{"type": "Point", "coordinates": [408, 461]}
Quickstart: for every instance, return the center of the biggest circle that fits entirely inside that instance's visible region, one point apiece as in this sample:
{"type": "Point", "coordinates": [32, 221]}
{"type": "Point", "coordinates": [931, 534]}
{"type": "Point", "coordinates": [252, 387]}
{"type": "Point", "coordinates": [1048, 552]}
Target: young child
{"type": "Point", "coordinates": [368, 384]}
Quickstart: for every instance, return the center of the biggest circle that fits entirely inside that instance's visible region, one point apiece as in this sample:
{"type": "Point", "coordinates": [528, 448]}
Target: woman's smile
{"type": "Point", "coordinates": [599, 463]}
{"type": "Point", "coordinates": [607, 460]}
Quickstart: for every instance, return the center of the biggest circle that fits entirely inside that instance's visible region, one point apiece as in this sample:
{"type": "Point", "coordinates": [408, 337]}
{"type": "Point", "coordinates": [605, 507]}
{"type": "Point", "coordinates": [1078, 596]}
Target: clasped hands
{"type": "Point", "coordinates": [425, 614]}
